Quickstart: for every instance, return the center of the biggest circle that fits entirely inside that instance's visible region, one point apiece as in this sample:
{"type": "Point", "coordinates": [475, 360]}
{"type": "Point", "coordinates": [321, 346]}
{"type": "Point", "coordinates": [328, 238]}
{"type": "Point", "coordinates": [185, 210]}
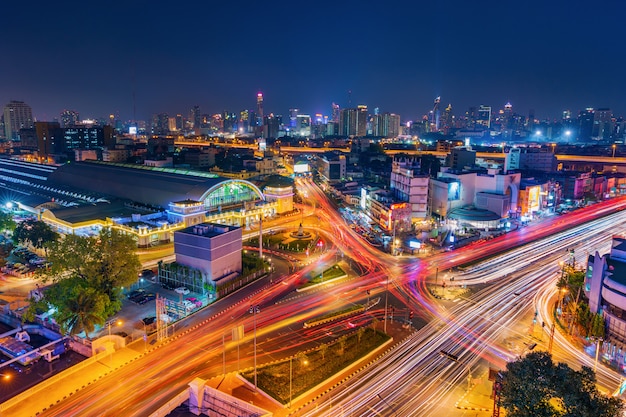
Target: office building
{"type": "Point", "coordinates": [353, 122]}
{"type": "Point", "coordinates": [17, 115]}
{"type": "Point", "coordinates": [605, 287]}
{"type": "Point", "coordinates": [214, 249]}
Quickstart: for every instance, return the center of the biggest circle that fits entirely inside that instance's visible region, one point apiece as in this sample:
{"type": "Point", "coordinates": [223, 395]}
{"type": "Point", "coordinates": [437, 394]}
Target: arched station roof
{"type": "Point", "coordinates": [147, 185]}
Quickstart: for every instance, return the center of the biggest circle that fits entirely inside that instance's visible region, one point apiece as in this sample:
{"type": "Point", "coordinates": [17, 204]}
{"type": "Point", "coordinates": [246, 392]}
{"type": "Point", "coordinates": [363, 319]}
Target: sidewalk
{"type": "Point", "coordinates": [479, 397]}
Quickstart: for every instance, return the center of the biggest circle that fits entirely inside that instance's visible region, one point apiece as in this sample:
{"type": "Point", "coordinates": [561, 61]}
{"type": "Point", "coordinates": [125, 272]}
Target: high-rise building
{"type": "Point", "coordinates": [17, 115]}
{"type": "Point", "coordinates": [180, 122]}
{"type": "Point", "coordinates": [160, 124]}
{"type": "Point", "coordinates": [271, 126]}
{"type": "Point", "coordinates": [230, 121]}
{"type": "Point", "coordinates": [49, 135]}
{"type": "Point", "coordinates": [259, 106]}
{"type": "Point", "coordinates": [361, 123]}
{"type": "Point", "coordinates": [585, 123]}
{"type": "Point", "coordinates": [243, 126]}
{"type": "Point", "coordinates": [386, 125]}
{"type": "Point", "coordinates": [353, 122]}
{"type": "Point", "coordinates": [483, 117]}
{"type": "Point", "coordinates": [602, 124]}
{"type": "Point", "coordinates": [293, 117]}
{"type": "Point", "coordinates": [434, 115]}
{"type": "Point", "coordinates": [335, 113]}
{"type": "Point", "coordinates": [69, 118]}
{"type": "Point", "coordinates": [196, 117]}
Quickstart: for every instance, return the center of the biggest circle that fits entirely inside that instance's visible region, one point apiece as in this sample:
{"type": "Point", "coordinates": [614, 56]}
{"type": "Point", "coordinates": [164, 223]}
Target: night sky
{"type": "Point", "coordinates": [94, 56]}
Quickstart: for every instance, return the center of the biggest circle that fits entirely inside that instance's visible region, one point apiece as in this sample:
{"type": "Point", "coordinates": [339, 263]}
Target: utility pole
{"type": "Point", "coordinates": [261, 235]}
{"type": "Point", "coordinates": [254, 310]}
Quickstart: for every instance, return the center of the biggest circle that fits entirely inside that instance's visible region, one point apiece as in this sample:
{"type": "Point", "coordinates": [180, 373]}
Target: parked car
{"type": "Point", "coordinates": [166, 318]}
{"type": "Point", "coordinates": [148, 320]}
{"type": "Point", "coordinates": [135, 293]}
{"type": "Point", "coordinates": [195, 301]}
{"type": "Point", "coordinates": [148, 274]}
{"type": "Point", "coordinates": [189, 305]}
{"type": "Point", "coordinates": [182, 290]}
{"type": "Point", "coordinates": [167, 285]}
{"type": "Point", "coordinates": [145, 298]}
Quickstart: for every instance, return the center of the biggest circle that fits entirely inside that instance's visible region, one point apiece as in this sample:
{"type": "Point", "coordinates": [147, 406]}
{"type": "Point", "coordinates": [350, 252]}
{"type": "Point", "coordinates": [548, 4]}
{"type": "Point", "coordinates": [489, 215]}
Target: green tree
{"type": "Point", "coordinates": [323, 349]}
{"type": "Point", "coordinates": [99, 265]}
{"type": "Point", "coordinates": [359, 333]}
{"type": "Point", "coordinates": [78, 307]}
{"type": "Point", "coordinates": [534, 386]}
{"type": "Point", "coordinates": [375, 322]}
{"type": "Point", "coordinates": [342, 343]}
{"type": "Point", "coordinates": [36, 233]}
{"type": "Point", "coordinates": [6, 222]}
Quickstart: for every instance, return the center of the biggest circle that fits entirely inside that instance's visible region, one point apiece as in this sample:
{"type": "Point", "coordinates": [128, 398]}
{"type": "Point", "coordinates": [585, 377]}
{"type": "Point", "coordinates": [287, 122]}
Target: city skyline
{"type": "Point", "coordinates": [152, 58]}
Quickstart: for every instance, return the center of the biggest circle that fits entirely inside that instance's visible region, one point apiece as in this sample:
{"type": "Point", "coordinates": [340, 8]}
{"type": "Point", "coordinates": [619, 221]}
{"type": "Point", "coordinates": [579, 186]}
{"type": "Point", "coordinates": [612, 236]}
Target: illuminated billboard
{"type": "Point", "coordinates": [533, 198]}
{"type": "Point", "coordinates": [454, 191]}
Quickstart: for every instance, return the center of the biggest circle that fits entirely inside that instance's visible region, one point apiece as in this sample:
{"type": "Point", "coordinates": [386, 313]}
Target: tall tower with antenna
{"type": "Point", "coordinates": [435, 115]}
{"type": "Point", "coordinates": [259, 106]}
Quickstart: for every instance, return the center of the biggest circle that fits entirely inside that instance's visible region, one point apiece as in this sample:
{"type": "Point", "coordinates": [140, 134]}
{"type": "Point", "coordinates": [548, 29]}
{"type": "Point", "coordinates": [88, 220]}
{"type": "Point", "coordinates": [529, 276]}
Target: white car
{"type": "Point", "coordinates": [182, 290]}
{"type": "Point", "coordinates": [166, 318]}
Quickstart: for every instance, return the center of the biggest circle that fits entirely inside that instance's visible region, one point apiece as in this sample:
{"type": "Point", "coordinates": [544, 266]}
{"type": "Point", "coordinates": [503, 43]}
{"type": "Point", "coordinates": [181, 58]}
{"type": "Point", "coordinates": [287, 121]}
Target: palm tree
{"type": "Point", "coordinates": [81, 313]}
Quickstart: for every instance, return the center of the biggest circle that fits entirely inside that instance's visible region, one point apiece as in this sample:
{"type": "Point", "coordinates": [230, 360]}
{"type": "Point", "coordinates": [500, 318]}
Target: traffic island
{"type": "Point", "coordinates": [287, 380]}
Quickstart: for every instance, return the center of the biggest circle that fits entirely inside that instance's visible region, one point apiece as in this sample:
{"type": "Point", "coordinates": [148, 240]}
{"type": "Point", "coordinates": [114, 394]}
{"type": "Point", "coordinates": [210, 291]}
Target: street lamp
{"type": "Point", "coordinates": [614, 146]}
{"type": "Point", "coordinates": [254, 310]}
{"type": "Point", "coordinates": [305, 362]}
{"type": "Point", "coordinates": [598, 340]}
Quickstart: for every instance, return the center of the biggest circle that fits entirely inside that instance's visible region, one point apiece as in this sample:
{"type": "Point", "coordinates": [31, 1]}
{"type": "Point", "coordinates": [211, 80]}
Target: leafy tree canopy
{"type": "Point", "coordinates": [534, 386]}
{"type": "Point", "coordinates": [87, 274]}
{"type": "Point", "coordinates": [36, 233]}
{"type": "Point", "coordinates": [6, 221]}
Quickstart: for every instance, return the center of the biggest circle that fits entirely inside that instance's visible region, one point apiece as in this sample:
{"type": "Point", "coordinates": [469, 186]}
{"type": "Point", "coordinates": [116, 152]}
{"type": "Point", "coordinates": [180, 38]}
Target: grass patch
{"type": "Point", "coordinates": [314, 367]}
{"type": "Point", "coordinates": [334, 271]}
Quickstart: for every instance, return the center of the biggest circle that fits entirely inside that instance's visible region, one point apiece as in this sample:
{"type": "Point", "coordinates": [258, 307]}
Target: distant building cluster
{"type": "Point", "coordinates": [483, 121]}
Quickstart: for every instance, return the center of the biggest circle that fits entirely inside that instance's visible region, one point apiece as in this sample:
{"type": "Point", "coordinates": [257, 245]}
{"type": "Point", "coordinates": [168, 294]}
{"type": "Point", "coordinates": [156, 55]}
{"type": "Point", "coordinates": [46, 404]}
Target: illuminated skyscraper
{"type": "Point", "coordinates": [435, 116]}
{"type": "Point", "coordinates": [17, 115]}
{"type": "Point", "coordinates": [259, 106]}
{"type": "Point", "coordinates": [585, 123]}
{"type": "Point", "coordinates": [361, 124]}
{"type": "Point", "coordinates": [353, 122]}
{"type": "Point", "coordinates": [160, 124]}
{"type": "Point", "coordinates": [293, 117]}
{"type": "Point", "coordinates": [484, 116]}
{"type": "Point", "coordinates": [386, 125]}
{"type": "Point", "coordinates": [335, 113]}
{"type": "Point", "coordinates": [602, 124]}
{"type": "Point", "coordinates": [244, 121]}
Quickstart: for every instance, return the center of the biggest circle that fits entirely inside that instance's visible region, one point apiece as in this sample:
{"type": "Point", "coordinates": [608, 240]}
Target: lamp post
{"type": "Point", "coordinates": [386, 303]}
{"type": "Point", "coordinates": [304, 362]}
{"type": "Point", "coordinates": [598, 340]}
{"type": "Point", "coordinates": [614, 146]}
{"type": "Point", "coordinates": [254, 310]}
